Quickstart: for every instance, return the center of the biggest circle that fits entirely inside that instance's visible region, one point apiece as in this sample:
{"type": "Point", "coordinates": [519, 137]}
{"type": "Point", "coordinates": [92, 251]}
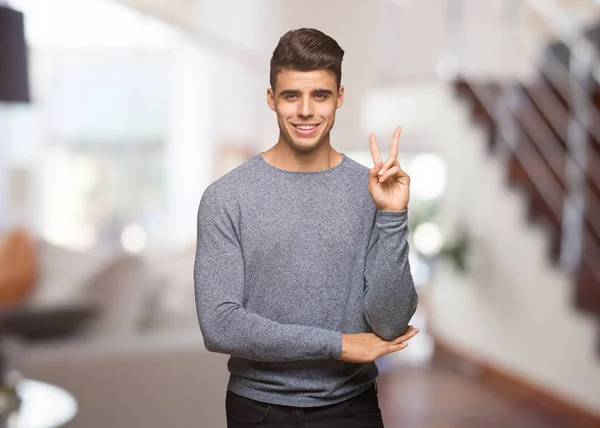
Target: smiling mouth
{"type": "Point", "coordinates": [306, 127]}
{"type": "Point", "coordinates": [307, 130]}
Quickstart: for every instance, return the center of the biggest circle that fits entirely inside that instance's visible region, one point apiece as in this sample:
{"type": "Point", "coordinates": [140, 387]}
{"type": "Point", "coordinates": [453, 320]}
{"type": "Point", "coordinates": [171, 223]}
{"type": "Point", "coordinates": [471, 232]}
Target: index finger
{"type": "Point", "coordinates": [374, 149]}
{"type": "Point", "coordinates": [395, 140]}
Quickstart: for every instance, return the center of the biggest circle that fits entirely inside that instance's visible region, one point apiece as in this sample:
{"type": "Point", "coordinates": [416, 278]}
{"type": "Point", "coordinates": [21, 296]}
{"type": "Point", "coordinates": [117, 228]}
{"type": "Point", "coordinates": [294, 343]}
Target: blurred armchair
{"type": "Point", "coordinates": [134, 364]}
{"type": "Point", "coordinates": [18, 269]}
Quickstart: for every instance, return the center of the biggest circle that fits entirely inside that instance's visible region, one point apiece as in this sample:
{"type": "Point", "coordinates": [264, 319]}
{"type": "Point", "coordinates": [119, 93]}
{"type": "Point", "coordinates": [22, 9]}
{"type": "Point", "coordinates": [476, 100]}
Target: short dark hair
{"type": "Point", "coordinates": [306, 49]}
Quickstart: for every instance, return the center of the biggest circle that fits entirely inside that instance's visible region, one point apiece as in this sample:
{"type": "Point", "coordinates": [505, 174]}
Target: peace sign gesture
{"type": "Point", "coordinates": [388, 183]}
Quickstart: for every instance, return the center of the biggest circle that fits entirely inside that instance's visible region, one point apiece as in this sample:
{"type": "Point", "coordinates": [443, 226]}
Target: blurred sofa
{"type": "Point", "coordinates": [140, 362]}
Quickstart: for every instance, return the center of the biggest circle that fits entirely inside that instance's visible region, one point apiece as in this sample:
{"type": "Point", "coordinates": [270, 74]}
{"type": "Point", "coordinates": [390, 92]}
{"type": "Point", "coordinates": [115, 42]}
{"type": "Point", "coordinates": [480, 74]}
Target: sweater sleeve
{"type": "Point", "coordinates": [227, 327]}
{"type": "Point", "coordinates": [390, 296]}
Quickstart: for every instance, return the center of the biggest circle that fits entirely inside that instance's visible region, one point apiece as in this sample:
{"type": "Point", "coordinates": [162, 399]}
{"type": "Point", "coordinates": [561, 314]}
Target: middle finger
{"type": "Point", "coordinates": [395, 140]}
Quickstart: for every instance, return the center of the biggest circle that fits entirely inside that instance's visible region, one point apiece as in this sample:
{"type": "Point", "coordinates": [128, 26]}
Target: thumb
{"type": "Point", "coordinates": [373, 177]}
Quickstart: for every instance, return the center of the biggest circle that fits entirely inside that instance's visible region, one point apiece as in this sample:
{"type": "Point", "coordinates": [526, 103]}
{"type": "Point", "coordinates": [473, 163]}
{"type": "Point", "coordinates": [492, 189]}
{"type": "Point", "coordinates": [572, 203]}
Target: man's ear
{"type": "Point", "coordinates": [340, 97]}
{"type": "Point", "coordinates": [271, 99]}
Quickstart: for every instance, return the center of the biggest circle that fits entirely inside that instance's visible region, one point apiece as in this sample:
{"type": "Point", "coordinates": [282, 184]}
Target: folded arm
{"type": "Point", "coordinates": [390, 296]}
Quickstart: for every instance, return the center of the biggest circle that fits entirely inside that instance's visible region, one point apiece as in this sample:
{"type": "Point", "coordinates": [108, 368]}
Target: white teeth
{"type": "Point", "coordinates": [306, 126]}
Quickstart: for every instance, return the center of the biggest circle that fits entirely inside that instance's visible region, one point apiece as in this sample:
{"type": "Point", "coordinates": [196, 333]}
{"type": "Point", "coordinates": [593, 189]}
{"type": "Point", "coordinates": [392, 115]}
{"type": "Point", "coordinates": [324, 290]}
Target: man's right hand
{"type": "Point", "coordinates": [367, 347]}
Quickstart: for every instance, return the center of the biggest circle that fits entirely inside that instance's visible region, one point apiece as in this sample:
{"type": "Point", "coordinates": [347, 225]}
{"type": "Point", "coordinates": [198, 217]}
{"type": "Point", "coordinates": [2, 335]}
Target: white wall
{"type": "Point", "coordinates": [4, 153]}
{"type": "Point", "coordinates": [189, 146]}
{"type": "Point", "coordinates": [19, 151]}
{"type": "Point", "coordinates": [387, 42]}
{"type": "Point", "coordinates": [514, 309]}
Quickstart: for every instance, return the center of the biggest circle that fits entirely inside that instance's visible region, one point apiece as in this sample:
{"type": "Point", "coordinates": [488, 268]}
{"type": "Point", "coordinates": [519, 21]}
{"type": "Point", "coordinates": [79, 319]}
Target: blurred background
{"type": "Point", "coordinates": [115, 115]}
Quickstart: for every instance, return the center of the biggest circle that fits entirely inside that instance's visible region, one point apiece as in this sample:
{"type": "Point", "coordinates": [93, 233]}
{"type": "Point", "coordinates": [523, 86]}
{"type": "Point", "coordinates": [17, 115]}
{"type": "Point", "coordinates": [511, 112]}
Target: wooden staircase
{"type": "Point", "coordinates": [537, 158]}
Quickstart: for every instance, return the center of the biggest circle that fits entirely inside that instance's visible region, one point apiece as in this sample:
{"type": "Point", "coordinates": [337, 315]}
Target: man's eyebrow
{"type": "Point", "coordinates": [289, 92]}
{"type": "Point", "coordinates": [298, 92]}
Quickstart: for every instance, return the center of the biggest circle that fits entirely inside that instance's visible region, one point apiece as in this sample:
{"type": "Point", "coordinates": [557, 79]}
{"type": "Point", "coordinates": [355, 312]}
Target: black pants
{"type": "Point", "coordinates": [361, 411]}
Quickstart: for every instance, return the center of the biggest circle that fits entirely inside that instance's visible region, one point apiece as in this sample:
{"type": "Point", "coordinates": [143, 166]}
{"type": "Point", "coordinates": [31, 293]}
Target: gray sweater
{"type": "Point", "coordinates": [288, 261]}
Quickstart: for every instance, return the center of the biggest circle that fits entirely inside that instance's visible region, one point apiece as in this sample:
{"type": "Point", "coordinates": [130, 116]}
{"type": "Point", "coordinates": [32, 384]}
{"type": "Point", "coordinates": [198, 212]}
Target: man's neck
{"type": "Point", "coordinates": [282, 156]}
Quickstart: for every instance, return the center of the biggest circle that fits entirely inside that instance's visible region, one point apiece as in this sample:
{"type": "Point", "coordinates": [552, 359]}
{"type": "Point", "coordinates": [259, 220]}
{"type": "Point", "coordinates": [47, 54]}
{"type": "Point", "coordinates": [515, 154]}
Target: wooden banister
{"type": "Point", "coordinates": [538, 165]}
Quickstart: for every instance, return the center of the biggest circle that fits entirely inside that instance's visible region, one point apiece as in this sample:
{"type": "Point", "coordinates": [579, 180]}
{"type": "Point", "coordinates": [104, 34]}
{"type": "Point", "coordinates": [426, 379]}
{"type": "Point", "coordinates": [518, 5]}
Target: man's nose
{"type": "Point", "coordinates": [305, 108]}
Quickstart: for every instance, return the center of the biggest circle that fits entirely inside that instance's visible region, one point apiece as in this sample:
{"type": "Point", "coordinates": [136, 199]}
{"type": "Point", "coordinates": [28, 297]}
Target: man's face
{"type": "Point", "coordinates": [305, 103]}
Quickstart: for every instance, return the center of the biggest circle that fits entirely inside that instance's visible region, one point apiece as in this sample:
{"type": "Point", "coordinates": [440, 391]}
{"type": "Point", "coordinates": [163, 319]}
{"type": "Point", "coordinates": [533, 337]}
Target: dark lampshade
{"type": "Point", "coordinates": [14, 78]}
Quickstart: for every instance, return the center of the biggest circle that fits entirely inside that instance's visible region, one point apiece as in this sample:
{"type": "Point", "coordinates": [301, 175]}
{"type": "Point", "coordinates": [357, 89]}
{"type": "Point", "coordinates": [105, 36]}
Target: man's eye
{"type": "Point", "coordinates": [289, 97]}
{"type": "Point", "coordinates": [320, 96]}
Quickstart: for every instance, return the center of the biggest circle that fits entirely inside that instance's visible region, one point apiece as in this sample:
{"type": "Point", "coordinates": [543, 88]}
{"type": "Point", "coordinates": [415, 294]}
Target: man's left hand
{"type": "Point", "coordinates": [388, 183]}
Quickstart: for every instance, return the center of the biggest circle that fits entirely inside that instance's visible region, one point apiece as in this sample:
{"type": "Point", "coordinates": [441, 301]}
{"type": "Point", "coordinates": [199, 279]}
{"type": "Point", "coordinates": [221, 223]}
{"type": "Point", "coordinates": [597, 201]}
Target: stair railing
{"type": "Point", "coordinates": [581, 74]}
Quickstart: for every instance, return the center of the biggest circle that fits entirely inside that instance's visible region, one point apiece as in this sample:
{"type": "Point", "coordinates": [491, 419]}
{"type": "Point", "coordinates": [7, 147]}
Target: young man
{"type": "Point", "coordinates": [301, 271]}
